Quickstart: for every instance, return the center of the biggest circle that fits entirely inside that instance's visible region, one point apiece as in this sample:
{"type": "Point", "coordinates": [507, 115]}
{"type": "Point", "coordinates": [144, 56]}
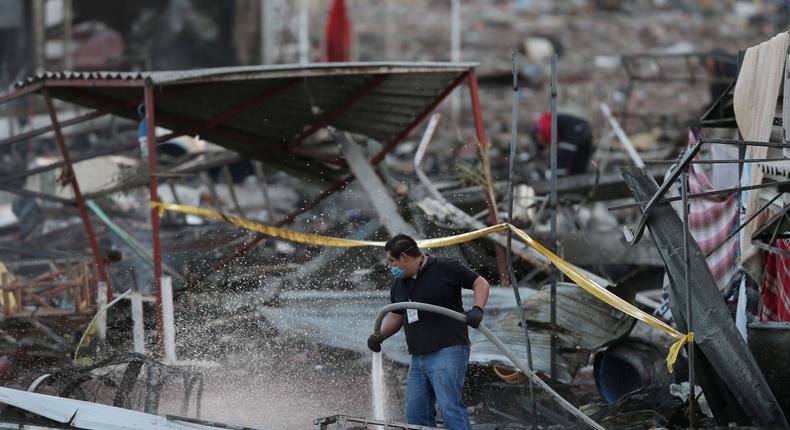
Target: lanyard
{"type": "Point", "coordinates": [410, 291]}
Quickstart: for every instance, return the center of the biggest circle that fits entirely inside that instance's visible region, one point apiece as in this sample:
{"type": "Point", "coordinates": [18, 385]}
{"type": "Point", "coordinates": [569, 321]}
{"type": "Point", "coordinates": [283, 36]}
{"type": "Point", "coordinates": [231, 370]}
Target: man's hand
{"type": "Point", "coordinates": [474, 316]}
{"type": "Point", "coordinates": [374, 342]}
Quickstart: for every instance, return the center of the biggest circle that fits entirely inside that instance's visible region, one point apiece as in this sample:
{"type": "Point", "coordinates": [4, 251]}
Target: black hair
{"type": "Point", "coordinates": [402, 244]}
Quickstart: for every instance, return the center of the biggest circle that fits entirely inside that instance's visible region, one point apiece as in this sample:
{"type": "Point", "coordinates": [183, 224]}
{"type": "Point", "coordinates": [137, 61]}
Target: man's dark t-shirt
{"type": "Point", "coordinates": [438, 283]}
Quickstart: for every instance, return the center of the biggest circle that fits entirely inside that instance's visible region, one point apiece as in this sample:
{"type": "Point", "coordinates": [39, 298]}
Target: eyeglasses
{"type": "Point", "coordinates": [407, 250]}
{"type": "Point", "coordinates": [389, 255]}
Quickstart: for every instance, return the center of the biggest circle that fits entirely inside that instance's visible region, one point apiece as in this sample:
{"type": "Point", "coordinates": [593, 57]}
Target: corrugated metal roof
{"type": "Point", "coordinates": [218, 74]}
{"type": "Point", "coordinates": [89, 415]}
{"type": "Point", "coordinates": [379, 100]}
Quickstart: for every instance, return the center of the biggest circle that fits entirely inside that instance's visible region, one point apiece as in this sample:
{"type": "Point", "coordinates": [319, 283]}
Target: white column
{"type": "Point", "coordinates": [101, 320]}
{"type": "Point", "coordinates": [138, 332]}
{"type": "Point", "coordinates": [168, 320]}
{"type": "Point", "coordinates": [455, 53]}
{"type": "Point", "coordinates": [304, 31]}
{"type": "Point", "coordinates": [268, 32]}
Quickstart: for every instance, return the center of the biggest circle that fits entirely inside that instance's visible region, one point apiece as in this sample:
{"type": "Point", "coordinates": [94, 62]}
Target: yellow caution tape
{"type": "Point", "coordinates": [609, 298]}
{"type": "Point", "coordinates": [675, 349]}
{"type": "Point", "coordinates": [315, 239]}
{"type": "Point", "coordinates": [461, 238]}
{"type": "Point", "coordinates": [579, 278]}
{"type": "Point", "coordinates": [293, 236]}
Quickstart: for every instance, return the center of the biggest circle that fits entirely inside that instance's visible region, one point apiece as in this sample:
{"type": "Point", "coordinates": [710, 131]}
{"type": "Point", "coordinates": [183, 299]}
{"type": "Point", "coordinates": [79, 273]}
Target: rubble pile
{"type": "Point", "coordinates": [187, 245]}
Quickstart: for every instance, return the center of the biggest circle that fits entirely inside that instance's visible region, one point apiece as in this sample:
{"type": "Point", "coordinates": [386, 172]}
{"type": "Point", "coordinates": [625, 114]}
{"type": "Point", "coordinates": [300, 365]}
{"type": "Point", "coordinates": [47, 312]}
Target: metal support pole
{"type": "Point", "coordinates": [69, 174]}
{"type": "Point", "coordinates": [509, 254]}
{"type": "Point", "coordinates": [553, 212]}
{"type": "Point", "coordinates": [490, 198]}
{"type": "Point", "coordinates": [67, 33]}
{"type": "Point", "coordinates": [689, 317]}
{"type": "Point", "coordinates": [152, 189]}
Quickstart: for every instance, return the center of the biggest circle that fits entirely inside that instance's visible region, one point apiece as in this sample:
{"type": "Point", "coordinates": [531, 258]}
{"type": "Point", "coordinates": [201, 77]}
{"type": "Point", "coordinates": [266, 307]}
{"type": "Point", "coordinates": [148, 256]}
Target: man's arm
{"type": "Point", "coordinates": [475, 315]}
{"type": "Point", "coordinates": [480, 288]}
{"type": "Point", "coordinates": [392, 323]}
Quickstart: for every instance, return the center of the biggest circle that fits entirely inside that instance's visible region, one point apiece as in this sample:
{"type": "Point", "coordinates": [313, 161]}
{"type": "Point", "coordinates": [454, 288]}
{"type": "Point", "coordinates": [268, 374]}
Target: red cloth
{"type": "Point", "coordinates": [544, 127]}
{"type": "Point", "coordinates": [775, 291]}
{"type": "Point", "coordinates": [338, 33]}
{"type": "Point", "coordinates": [711, 219]}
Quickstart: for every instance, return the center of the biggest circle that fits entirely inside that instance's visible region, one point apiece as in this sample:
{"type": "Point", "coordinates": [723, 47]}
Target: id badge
{"type": "Point", "coordinates": [411, 316]}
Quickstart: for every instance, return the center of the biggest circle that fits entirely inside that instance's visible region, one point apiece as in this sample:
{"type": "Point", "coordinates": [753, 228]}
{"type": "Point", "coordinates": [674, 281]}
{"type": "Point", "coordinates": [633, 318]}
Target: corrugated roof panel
{"type": "Point", "coordinates": [375, 99]}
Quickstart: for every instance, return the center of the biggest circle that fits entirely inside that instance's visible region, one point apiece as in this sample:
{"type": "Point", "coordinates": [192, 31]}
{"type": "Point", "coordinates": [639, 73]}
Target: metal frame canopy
{"type": "Point", "coordinates": [269, 113]}
{"type": "Point", "coordinates": [272, 113]}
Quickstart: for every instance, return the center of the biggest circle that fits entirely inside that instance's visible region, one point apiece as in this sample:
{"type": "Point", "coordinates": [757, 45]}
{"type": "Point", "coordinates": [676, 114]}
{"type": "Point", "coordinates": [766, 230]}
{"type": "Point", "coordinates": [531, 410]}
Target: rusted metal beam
{"type": "Point", "coordinates": [148, 96]}
{"type": "Point", "coordinates": [111, 109]}
{"type": "Point", "coordinates": [418, 119]}
{"type": "Point", "coordinates": [36, 195]}
{"type": "Point", "coordinates": [186, 125]}
{"type": "Point", "coordinates": [58, 164]}
{"type": "Point", "coordinates": [72, 178]}
{"type": "Point", "coordinates": [21, 92]}
{"type": "Point", "coordinates": [482, 141]}
{"type": "Point", "coordinates": [69, 122]}
{"type": "Point", "coordinates": [258, 238]}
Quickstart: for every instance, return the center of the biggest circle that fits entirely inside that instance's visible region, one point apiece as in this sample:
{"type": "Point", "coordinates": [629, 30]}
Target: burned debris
{"type": "Point", "coordinates": [196, 204]}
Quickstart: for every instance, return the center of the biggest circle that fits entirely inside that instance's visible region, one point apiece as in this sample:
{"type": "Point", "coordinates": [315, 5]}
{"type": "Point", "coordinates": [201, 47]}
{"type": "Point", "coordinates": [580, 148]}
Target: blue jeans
{"type": "Point", "coordinates": [438, 377]}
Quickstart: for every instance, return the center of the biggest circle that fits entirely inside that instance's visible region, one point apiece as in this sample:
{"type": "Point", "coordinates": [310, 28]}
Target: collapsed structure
{"type": "Point", "coordinates": [217, 143]}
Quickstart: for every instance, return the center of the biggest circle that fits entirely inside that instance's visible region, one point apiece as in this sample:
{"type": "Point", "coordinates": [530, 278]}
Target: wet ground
{"type": "Point", "coordinates": [288, 386]}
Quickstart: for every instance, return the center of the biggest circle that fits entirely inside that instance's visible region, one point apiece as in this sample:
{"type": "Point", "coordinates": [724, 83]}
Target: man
{"type": "Point", "coordinates": [439, 345]}
{"type": "Point", "coordinates": [574, 142]}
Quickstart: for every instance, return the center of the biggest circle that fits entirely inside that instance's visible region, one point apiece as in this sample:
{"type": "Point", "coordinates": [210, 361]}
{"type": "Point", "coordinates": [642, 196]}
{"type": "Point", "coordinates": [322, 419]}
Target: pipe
{"type": "Point", "coordinates": [629, 147]}
{"type": "Point", "coordinates": [496, 341]}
